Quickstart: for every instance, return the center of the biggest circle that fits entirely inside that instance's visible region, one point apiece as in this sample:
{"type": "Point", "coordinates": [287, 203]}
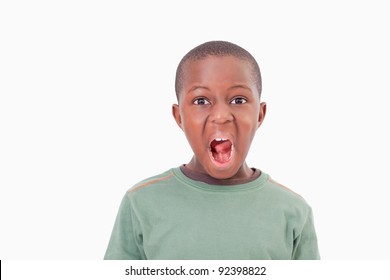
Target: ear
{"type": "Point", "coordinates": [176, 115]}
{"type": "Point", "coordinates": [262, 112]}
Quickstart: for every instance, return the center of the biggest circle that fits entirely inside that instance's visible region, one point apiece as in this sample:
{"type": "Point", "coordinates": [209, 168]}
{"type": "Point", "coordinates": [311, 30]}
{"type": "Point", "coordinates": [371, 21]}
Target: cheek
{"type": "Point", "coordinates": [248, 119]}
{"type": "Point", "coordinates": [193, 119]}
{"type": "Point", "coordinates": [247, 129]}
{"type": "Point", "coordinates": [193, 128]}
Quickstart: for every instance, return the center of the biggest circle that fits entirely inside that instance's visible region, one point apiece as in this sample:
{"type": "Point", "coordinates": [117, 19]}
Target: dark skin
{"type": "Point", "coordinates": [219, 99]}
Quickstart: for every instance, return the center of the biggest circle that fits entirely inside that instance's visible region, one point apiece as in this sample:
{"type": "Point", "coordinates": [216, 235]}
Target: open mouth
{"type": "Point", "coordinates": [221, 150]}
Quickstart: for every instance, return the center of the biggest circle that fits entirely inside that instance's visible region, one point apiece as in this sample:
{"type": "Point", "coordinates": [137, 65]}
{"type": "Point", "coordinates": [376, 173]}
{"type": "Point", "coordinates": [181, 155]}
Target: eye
{"type": "Point", "coordinates": [201, 101]}
{"type": "Point", "coordinates": [238, 100]}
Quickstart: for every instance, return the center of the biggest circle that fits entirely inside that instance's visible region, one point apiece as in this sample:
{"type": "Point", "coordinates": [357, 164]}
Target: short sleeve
{"type": "Point", "coordinates": [123, 244]}
{"type": "Point", "coordinates": [305, 244]}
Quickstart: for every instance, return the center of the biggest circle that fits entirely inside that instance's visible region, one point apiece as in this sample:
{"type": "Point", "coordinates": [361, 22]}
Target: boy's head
{"type": "Point", "coordinates": [220, 49]}
{"type": "Point", "coordinates": [218, 86]}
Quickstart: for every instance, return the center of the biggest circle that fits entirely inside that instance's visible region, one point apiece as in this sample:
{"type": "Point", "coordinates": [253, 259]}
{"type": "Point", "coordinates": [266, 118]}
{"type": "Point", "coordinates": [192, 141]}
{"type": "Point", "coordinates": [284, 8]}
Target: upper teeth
{"type": "Point", "coordinates": [220, 139]}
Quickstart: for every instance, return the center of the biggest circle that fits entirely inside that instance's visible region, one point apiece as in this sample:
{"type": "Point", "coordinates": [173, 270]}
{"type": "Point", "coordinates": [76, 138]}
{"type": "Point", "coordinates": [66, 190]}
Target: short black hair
{"type": "Point", "coordinates": [217, 48]}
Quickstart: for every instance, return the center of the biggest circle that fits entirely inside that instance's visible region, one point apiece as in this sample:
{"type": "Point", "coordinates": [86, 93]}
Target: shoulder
{"type": "Point", "coordinates": [286, 196]}
{"type": "Point", "coordinates": [152, 182]}
{"type": "Point", "coordinates": [283, 189]}
{"type": "Point", "coordinates": [154, 193]}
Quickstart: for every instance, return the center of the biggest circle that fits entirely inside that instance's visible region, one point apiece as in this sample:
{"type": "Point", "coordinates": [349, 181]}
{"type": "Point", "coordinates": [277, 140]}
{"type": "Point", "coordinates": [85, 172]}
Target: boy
{"type": "Point", "coordinates": [215, 207]}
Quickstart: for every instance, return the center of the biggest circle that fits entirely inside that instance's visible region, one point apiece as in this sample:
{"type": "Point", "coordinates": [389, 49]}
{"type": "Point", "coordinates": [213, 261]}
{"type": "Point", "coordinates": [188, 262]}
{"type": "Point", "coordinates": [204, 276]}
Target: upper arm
{"type": "Point", "coordinates": [124, 243]}
{"type": "Point", "coordinates": [305, 244]}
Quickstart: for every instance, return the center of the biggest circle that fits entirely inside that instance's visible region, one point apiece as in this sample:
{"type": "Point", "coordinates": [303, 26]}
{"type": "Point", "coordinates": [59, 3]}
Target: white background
{"type": "Point", "coordinates": [85, 112]}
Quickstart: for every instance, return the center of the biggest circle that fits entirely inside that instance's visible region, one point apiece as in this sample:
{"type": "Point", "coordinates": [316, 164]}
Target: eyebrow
{"type": "Point", "coordinates": [241, 86]}
{"type": "Point", "coordinates": [197, 87]}
{"type": "Point", "coordinates": [206, 88]}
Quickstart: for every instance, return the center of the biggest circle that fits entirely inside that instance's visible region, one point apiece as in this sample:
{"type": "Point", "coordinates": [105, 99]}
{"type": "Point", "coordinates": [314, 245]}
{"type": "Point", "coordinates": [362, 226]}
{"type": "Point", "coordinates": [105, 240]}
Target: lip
{"type": "Point", "coordinates": [217, 164]}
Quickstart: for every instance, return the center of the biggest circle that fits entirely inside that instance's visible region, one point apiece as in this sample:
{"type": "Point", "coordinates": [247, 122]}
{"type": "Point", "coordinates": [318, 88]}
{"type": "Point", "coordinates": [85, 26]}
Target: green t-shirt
{"type": "Point", "coordinates": [171, 216]}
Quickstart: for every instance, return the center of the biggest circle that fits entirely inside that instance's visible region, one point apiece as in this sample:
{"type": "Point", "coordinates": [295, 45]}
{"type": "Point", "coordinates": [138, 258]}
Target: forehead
{"type": "Point", "coordinates": [217, 71]}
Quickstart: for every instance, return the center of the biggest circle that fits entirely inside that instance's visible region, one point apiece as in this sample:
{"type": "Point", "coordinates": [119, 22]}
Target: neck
{"type": "Point", "coordinates": [205, 178]}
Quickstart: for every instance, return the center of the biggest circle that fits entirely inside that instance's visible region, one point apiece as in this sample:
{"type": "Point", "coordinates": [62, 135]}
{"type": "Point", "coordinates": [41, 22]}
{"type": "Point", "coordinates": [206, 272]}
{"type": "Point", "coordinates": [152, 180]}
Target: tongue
{"type": "Point", "coordinates": [222, 146]}
{"type": "Point", "coordinates": [221, 151]}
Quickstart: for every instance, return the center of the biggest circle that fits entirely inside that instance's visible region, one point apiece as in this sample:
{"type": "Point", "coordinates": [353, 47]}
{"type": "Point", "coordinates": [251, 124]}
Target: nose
{"type": "Point", "coordinates": [221, 113]}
